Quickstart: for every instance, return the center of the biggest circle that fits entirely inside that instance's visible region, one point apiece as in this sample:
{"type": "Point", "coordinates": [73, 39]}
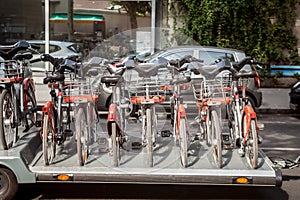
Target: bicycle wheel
{"type": "Point", "coordinates": [149, 137]}
{"type": "Point", "coordinates": [216, 138]}
{"type": "Point", "coordinates": [30, 104]}
{"type": "Point", "coordinates": [115, 145]}
{"type": "Point", "coordinates": [251, 149]}
{"type": "Point", "coordinates": [207, 128]}
{"type": "Point", "coordinates": [8, 124]}
{"type": "Point", "coordinates": [154, 126]}
{"type": "Point", "coordinates": [234, 124]}
{"type": "Point", "coordinates": [183, 142]}
{"type": "Point", "coordinates": [49, 142]}
{"type": "Point", "coordinates": [82, 136]}
{"type": "Point", "coordinates": [92, 119]}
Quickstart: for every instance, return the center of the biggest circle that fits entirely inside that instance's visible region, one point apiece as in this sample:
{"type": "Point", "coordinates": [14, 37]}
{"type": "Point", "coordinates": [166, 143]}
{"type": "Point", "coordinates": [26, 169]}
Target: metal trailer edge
{"type": "Point", "coordinates": [21, 160]}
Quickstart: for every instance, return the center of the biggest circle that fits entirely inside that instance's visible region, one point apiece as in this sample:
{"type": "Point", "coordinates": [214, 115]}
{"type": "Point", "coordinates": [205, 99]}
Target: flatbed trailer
{"type": "Point", "coordinates": [25, 162]}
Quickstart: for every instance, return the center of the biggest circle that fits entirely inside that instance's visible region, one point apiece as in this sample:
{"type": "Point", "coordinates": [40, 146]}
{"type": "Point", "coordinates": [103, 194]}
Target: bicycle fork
{"type": "Point", "coordinates": [248, 114]}
{"type": "Point", "coordinates": [48, 110]}
{"type": "Point", "coordinates": [179, 114]}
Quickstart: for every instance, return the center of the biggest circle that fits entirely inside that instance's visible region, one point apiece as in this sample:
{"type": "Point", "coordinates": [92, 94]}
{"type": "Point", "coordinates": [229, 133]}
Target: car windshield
{"type": "Point", "coordinates": [73, 48]}
{"type": "Point", "coordinates": [209, 57]}
{"type": "Point", "coordinates": [153, 56]}
{"type": "Point", "coordinates": [167, 54]}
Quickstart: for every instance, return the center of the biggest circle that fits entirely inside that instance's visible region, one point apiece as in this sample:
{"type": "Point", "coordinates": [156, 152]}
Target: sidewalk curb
{"type": "Point", "coordinates": [275, 111]}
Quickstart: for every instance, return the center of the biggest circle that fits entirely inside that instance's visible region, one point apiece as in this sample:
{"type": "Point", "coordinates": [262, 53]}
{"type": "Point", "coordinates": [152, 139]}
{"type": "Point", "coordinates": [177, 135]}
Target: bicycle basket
{"type": "Point", "coordinates": [209, 90]}
{"type": "Point", "coordinates": [77, 91]}
{"type": "Point", "coordinates": [151, 87]}
{"type": "Point", "coordinates": [11, 71]}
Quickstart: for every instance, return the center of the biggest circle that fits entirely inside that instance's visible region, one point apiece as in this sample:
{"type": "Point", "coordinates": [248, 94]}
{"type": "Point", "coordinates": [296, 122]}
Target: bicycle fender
{"type": "Point", "coordinates": [47, 107]}
{"type": "Point", "coordinates": [29, 82]}
{"type": "Point", "coordinates": [249, 113]}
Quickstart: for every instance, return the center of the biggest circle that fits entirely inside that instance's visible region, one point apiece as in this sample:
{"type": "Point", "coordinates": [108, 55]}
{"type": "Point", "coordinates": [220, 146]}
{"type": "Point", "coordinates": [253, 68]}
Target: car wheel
{"type": "Point", "coordinates": [102, 102]}
{"type": "Point", "coordinates": [252, 102]}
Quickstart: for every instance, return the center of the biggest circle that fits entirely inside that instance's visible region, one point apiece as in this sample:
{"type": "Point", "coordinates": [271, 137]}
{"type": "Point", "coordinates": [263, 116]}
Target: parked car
{"type": "Point", "coordinates": [208, 55]}
{"type": "Point", "coordinates": [295, 97]}
{"type": "Point", "coordinates": [56, 48]}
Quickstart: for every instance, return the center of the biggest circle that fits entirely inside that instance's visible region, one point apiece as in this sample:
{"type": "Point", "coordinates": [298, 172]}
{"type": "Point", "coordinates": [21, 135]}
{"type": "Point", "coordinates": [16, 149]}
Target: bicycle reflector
{"type": "Point", "coordinates": [242, 180]}
{"type": "Point", "coordinates": [64, 177]}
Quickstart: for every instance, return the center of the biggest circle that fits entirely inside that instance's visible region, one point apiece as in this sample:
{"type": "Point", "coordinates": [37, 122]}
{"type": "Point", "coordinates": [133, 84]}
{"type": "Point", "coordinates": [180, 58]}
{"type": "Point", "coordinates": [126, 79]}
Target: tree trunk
{"type": "Point", "coordinates": [70, 20]}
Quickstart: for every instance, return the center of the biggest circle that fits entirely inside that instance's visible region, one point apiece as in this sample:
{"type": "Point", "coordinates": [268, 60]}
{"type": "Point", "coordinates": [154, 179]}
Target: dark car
{"type": "Point", "coordinates": [295, 97]}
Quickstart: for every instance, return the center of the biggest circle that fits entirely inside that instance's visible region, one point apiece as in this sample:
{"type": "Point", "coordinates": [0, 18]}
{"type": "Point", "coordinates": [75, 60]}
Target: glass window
{"type": "Point", "coordinates": [178, 55]}
{"type": "Point", "coordinates": [73, 48]}
{"type": "Point", "coordinates": [53, 48]}
{"type": "Point", "coordinates": [210, 56]}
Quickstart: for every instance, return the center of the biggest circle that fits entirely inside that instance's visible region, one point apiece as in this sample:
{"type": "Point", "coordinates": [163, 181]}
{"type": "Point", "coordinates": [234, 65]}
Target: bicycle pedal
{"type": "Point", "coordinates": [197, 136]}
{"type": "Point", "coordinates": [166, 133]}
{"type": "Point", "coordinates": [241, 152]}
{"type": "Point", "coordinates": [27, 128]}
{"type": "Point", "coordinates": [132, 120]}
{"type": "Point", "coordinates": [261, 126]}
{"type": "Point", "coordinates": [68, 133]}
{"type": "Point", "coordinates": [136, 145]}
{"type": "Point", "coordinates": [226, 139]}
{"type": "Point", "coordinates": [227, 147]}
{"type": "Point", "coordinates": [260, 139]}
{"type": "Point", "coordinates": [38, 123]}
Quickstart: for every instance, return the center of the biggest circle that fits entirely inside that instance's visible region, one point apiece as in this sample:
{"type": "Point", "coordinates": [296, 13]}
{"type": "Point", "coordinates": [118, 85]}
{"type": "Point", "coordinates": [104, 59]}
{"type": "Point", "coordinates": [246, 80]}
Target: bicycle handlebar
{"type": "Point", "coordinates": [233, 67]}
{"type": "Point", "coordinates": [8, 51]}
{"type": "Point", "coordinates": [61, 64]}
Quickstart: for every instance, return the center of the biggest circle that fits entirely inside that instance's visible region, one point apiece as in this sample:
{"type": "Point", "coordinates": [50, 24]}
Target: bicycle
{"type": "Point", "coordinates": [56, 117]}
{"type": "Point", "coordinates": [178, 114]}
{"type": "Point", "coordinates": [116, 120]}
{"type": "Point", "coordinates": [242, 117]}
{"type": "Point", "coordinates": [17, 99]}
{"type": "Point", "coordinates": [145, 91]}
{"type": "Point", "coordinates": [80, 94]}
{"type": "Point", "coordinates": [210, 96]}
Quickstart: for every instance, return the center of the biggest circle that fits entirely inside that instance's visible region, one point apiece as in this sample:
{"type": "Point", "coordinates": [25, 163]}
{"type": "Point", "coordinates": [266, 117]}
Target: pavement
{"type": "Point", "coordinates": [275, 100]}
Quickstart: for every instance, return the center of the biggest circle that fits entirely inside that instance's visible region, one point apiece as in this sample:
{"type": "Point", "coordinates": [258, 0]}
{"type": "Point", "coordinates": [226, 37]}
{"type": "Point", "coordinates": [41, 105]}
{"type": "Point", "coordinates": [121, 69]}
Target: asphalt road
{"type": "Point", "coordinates": [281, 143]}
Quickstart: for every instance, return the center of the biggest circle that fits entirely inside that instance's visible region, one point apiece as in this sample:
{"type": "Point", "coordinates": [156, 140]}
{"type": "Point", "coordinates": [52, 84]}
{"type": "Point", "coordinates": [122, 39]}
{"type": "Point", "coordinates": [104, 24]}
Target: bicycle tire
{"type": "Point", "coordinates": [31, 104]}
{"type": "Point", "coordinates": [183, 143]}
{"type": "Point", "coordinates": [92, 119]}
{"type": "Point", "coordinates": [82, 136]}
{"type": "Point", "coordinates": [208, 135]}
{"type": "Point", "coordinates": [216, 138]}
{"type": "Point", "coordinates": [49, 142]}
{"type": "Point", "coordinates": [8, 131]}
{"type": "Point", "coordinates": [251, 149]}
{"type": "Point", "coordinates": [236, 129]}
{"type": "Point", "coordinates": [115, 145]}
{"type": "Point", "coordinates": [149, 137]}
{"type": "Point", "coordinates": [154, 125]}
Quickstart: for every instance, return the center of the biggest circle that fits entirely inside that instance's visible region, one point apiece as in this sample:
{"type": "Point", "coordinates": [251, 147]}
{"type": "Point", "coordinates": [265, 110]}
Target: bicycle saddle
{"type": "Point", "coordinates": [112, 80]}
{"type": "Point", "coordinates": [8, 51]}
{"type": "Point", "coordinates": [147, 70]}
{"type": "Point", "coordinates": [53, 78]}
{"type": "Point", "coordinates": [23, 56]}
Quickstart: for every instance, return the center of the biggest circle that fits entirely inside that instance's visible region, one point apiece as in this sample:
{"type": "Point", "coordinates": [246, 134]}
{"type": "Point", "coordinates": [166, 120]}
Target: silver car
{"type": "Point", "coordinates": [209, 55]}
{"type": "Point", "coordinates": [56, 49]}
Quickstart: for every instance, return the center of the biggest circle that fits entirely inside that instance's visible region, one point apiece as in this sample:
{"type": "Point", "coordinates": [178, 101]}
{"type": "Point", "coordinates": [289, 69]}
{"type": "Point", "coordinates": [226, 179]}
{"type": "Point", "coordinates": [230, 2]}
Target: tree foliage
{"type": "Point", "coordinates": [263, 29]}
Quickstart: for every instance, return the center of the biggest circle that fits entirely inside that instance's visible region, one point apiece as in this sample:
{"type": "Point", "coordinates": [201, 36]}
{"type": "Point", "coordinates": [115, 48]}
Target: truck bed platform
{"type": "Point", "coordinates": [26, 161]}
